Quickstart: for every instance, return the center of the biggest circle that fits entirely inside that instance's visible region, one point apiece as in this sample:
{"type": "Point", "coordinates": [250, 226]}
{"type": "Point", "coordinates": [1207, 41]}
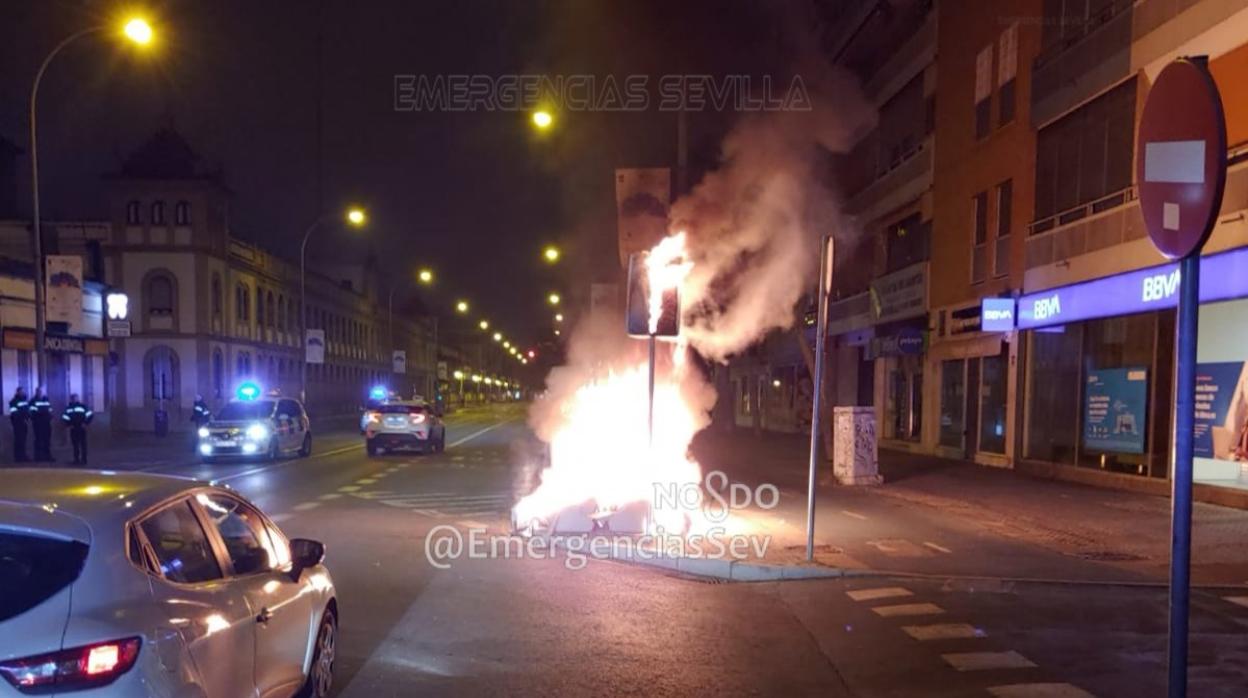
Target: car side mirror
{"type": "Point", "coordinates": [305, 553]}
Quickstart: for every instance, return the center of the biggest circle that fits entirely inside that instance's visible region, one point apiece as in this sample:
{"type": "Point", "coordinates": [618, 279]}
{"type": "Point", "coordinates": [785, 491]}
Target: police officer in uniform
{"type": "Point", "coordinates": [41, 424]}
{"type": "Point", "coordinates": [77, 416]}
{"type": "Point", "coordinates": [19, 417]}
{"type": "Point", "coordinates": [200, 416]}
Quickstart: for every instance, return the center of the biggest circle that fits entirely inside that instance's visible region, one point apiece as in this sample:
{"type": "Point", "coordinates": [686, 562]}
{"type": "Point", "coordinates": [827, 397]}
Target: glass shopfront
{"type": "Point", "coordinates": [904, 408]}
{"type": "Point", "coordinates": [1089, 389]}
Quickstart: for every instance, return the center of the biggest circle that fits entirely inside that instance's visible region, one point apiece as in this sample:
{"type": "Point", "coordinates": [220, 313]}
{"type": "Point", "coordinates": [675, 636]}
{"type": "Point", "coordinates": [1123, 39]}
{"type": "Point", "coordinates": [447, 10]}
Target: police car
{"type": "Point", "coordinates": [404, 424]}
{"type": "Point", "coordinates": [255, 424]}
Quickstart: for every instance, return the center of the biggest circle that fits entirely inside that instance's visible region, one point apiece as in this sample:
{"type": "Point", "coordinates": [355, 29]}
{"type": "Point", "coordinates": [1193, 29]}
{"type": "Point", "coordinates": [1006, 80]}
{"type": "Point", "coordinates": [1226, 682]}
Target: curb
{"type": "Point", "coordinates": [715, 568]}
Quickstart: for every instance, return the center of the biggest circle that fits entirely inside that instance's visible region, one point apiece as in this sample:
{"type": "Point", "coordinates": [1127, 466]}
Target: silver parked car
{"type": "Point", "coordinates": [128, 584]}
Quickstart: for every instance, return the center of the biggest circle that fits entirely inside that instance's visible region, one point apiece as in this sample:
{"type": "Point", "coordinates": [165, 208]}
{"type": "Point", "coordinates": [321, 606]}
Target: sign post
{"type": "Point", "coordinates": [816, 408]}
{"type": "Point", "coordinates": [1180, 176]}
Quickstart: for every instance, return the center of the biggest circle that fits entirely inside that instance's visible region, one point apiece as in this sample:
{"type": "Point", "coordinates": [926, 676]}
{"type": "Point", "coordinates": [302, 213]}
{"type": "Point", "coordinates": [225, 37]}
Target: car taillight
{"type": "Point", "coordinates": [418, 419]}
{"type": "Point", "coordinates": [374, 417]}
{"type": "Point", "coordinates": [74, 669]}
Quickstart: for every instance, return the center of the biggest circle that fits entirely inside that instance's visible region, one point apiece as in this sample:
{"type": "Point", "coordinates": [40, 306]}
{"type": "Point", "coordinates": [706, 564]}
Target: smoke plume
{"type": "Point", "coordinates": [754, 224]}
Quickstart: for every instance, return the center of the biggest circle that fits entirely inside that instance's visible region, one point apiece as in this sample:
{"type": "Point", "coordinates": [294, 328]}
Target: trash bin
{"type": "Point", "coordinates": [160, 419]}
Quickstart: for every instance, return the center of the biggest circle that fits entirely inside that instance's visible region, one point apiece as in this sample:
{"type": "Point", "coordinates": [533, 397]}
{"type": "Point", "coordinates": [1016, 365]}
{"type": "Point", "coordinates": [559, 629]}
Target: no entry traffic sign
{"type": "Point", "coordinates": [1180, 159]}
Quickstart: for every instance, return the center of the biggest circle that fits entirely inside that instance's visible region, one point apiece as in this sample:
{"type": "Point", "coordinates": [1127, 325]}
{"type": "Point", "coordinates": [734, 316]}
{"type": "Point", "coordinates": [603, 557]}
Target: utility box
{"type": "Point", "coordinates": [855, 456]}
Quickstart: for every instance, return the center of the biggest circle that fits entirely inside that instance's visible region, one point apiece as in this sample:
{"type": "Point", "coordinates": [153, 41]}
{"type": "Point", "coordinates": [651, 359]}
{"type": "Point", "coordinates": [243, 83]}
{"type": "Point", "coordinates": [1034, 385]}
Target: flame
{"type": "Point", "coordinates": [666, 268]}
{"type": "Point", "coordinates": [599, 451]}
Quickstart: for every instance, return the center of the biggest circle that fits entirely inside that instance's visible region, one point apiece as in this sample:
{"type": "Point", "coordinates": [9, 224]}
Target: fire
{"type": "Point", "coordinates": [666, 268]}
{"type": "Point", "coordinates": [599, 451]}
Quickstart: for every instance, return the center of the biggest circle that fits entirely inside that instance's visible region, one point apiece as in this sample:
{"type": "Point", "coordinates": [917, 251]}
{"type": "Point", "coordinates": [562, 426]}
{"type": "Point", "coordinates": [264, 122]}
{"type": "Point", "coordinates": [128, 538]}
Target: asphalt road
{"type": "Point", "coordinates": [538, 625]}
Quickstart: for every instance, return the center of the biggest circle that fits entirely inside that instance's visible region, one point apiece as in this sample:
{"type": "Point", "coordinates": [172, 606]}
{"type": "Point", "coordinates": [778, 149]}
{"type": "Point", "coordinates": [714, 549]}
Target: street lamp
{"type": "Point", "coordinates": [138, 32]}
{"type": "Point", "coordinates": [553, 298]}
{"type": "Point", "coordinates": [507, 344]}
{"type": "Point", "coordinates": [551, 254]}
{"type": "Point", "coordinates": [543, 119]}
{"type": "Point", "coordinates": [498, 337]}
{"type": "Point", "coordinates": [558, 317]}
{"type": "Point", "coordinates": [356, 218]}
{"type": "Point", "coordinates": [425, 276]}
{"type": "Point", "coordinates": [461, 307]}
{"type": "Point", "coordinates": [484, 325]}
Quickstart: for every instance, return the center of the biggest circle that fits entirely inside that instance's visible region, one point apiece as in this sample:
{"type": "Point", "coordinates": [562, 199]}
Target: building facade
{"type": "Point", "coordinates": [1014, 190]}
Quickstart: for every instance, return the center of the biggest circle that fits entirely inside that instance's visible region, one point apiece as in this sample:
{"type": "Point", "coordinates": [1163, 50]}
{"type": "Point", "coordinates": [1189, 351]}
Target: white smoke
{"type": "Point", "coordinates": [755, 223]}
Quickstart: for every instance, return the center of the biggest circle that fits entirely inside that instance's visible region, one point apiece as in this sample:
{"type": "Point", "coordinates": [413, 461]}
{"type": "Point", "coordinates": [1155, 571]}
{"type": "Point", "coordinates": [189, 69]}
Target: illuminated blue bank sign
{"type": "Point", "coordinates": [997, 314]}
{"type": "Point", "coordinates": [1222, 277]}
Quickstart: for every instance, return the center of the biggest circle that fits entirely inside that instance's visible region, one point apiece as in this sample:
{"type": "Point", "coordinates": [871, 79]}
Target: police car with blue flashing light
{"type": "Point", "coordinates": [255, 424]}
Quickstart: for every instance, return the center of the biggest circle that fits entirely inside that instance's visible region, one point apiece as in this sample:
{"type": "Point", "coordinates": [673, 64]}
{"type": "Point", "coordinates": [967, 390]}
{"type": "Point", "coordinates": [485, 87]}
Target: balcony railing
{"type": "Point", "coordinates": [1104, 222]}
{"type": "Point", "coordinates": [1080, 29]}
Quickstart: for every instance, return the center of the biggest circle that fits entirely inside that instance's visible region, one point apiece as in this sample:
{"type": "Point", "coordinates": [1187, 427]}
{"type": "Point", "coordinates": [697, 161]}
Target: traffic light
{"type": "Point", "coordinates": [638, 313]}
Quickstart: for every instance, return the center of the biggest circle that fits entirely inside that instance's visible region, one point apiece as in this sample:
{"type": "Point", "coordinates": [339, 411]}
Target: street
{"type": "Point", "coordinates": [544, 627]}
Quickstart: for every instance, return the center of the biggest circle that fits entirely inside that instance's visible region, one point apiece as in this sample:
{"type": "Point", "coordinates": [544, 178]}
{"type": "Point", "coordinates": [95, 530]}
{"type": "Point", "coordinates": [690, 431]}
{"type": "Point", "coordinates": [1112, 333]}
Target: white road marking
{"type": "Point", "coordinates": [328, 497]}
{"type": "Point", "coordinates": [938, 548]}
{"type": "Point", "coordinates": [943, 631]}
{"type": "Point", "coordinates": [908, 609]}
{"type": "Point", "coordinates": [982, 661]}
{"type": "Point", "coordinates": [1039, 690]}
{"type": "Point", "coordinates": [853, 515]}
{"type": "Point", "coordinates": [880, 593]}
{"type": "Point", "coordinates": [475, 434]}
{"type": "Point", "coordinates": [349, 488]}
{"type": "Point", "coordinates": [366, 481]}
{"type": "Point", "coordinates": [1237, 600]}
{"type": "Point", "coordinates": [306, 506]}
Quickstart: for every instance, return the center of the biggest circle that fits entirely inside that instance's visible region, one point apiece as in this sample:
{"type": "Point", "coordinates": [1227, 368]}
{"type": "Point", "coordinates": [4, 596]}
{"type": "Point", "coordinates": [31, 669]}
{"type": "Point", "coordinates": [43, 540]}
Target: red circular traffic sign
{"type": "Point", "coordinates": [1180, 157]}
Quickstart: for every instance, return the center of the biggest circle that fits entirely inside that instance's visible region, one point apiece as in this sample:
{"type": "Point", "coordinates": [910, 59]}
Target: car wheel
{"type": "Point", "coordinates": [321, 676]}
{"type": "Point", "coordinates": [306, 449]}
{"type": "Point", "coordinates": [442, 442]}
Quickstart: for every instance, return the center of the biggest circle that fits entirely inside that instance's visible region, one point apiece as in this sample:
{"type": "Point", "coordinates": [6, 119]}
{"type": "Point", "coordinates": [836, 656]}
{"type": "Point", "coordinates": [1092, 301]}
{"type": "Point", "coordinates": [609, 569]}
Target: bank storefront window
{"type": "Point", "coordinates": [1221, 435]}
{"type": "Point", "coordinates": [993, 385]}
{"type": "Point", "coordinates": [904, 408]}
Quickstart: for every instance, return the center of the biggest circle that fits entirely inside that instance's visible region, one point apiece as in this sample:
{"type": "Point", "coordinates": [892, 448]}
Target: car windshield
{"type": "Point", "coordinates": [241, 411]}
{"type": "Point", "coordinates": [402, 409]}
{"type": "Point", "coordinates": [34, 568]}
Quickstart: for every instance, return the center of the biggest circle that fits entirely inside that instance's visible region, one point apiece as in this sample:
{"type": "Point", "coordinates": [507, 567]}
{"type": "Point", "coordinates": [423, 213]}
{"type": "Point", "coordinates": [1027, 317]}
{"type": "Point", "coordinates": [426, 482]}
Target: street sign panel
{"type": "Point", "coordinates": [1180, 157]}
{"type": "Point", "coordinates": [118, 328]}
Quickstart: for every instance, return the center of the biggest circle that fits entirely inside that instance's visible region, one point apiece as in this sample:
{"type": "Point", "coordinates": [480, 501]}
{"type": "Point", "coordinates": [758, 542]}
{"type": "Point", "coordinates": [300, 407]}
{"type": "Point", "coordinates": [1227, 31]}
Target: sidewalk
{"type": "Point", "coordinates": [937, 516]}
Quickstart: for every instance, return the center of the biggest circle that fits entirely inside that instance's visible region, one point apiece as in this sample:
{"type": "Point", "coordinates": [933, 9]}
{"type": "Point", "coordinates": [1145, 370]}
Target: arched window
{"type": "Point", "coordinates": [182, 213]}
{"type": "Point", "coordinates": [162, 371]}
{"type": "Point", "coordinates": [281, 313]}
{"type": "Point", "coordinates": [216, 294]}
{"type": "Point", "coordinates": [269, 310]}
{"type": "Point", "coordinates": [158, 213]}
{"type": "Point", "coordinates": [218, 373]}
{"type": "Point", "coordinates": [292, 315]}
{"type": "Point", "coordinates": [134, 214]}
{"type": "Point", "coordinates": [242, 303]}
{"type": "Point", "coordinates": [159, 294]}
{"type": "Point", "coordinates": [259, 306]}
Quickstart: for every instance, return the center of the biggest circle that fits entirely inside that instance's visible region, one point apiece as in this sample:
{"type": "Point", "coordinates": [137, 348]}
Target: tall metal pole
{"type": "Point", "coordinates": [303, 309]}
{"type": "Point", "coordinates": [650, 417]}
{"type": "Point", "coordinates": [41, 361]}
{"type": "Point", "coordinates": [1181, 481]}
{"type": "Point", "coordinates": [816, 409]}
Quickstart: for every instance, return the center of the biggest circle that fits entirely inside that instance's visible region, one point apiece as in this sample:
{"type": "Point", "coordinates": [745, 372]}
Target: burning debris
{"type": "Point", "coordinates": [745, 252]}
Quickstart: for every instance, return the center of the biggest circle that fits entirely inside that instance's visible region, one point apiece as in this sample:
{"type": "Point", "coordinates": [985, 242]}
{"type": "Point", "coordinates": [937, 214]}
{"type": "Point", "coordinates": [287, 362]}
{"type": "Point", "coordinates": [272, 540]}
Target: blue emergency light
{"type": "Point", "coordinates": [379, 392]}
{"type": "Point", "coordinates": [248, 391]}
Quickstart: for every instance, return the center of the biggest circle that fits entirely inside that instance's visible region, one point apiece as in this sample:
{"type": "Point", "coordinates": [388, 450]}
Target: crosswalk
{"type": "Point", "coordinates": [903, 604]}
{"type": "Point", "coordinates": [442, 504]}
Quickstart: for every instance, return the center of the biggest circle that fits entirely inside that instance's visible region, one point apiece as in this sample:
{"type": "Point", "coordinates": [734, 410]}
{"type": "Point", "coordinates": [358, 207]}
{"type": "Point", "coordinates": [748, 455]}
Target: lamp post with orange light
{"type": "Point", "coordinates": [137, 31]}
{"type": "Point", "coordinates": [356, 218]}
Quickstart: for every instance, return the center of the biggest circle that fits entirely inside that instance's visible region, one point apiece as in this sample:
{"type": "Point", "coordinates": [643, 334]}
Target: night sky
{"type": "Point", "coordinates": [473, 195]}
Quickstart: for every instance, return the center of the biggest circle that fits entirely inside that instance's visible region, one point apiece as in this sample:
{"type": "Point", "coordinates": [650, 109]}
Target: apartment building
{"type": "Point", "coordinates": [1096, 318]}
